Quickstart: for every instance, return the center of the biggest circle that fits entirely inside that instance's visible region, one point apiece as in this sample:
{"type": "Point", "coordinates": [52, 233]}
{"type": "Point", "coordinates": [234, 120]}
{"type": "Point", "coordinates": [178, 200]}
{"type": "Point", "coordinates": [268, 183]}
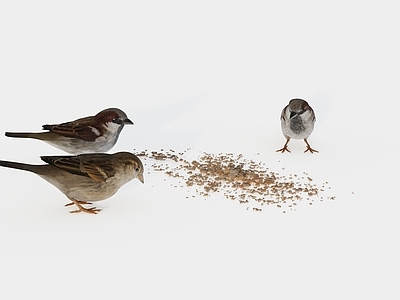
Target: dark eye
{"type": "Point", "coordinates": [137, 169]}
{"type": "Point", "coordinates": [117, 121]}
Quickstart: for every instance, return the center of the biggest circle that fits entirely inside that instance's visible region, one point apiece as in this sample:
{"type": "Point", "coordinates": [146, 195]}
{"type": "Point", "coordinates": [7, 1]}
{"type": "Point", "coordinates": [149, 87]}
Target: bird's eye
{"type": "Point", "coordinates": [137, 169]}
{"type": "Point", "coordinates": [117, 121]}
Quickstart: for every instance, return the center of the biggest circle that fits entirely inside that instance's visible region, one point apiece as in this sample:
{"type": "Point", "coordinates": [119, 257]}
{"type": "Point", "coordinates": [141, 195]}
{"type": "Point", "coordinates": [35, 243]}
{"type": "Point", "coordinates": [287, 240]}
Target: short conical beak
{"type": "Point", "coordinates": [127, 121]}
{"type": "Point", "coordinates": [140, 177]}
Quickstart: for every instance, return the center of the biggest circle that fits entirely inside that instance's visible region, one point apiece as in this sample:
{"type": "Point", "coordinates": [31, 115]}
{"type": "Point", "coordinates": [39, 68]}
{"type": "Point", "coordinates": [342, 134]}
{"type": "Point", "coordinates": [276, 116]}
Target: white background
{"type": "Point", "coordinates": [213, 76]}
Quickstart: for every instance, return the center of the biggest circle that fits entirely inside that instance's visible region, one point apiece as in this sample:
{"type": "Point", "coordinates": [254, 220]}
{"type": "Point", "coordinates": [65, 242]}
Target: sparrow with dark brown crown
{"type": "Point", "coordinates": [297, 122]}
{"type": "Point", "coordinates": [86, 177]}
{"type": "Point", "coordinates": [92, 134]}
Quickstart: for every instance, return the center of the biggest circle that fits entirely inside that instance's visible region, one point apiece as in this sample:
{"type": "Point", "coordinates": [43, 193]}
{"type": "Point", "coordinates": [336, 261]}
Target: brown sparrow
{"type": "Point", "coordinates": [297, 122]}
{"type": "Point", "coordinates": [97, 133]}
{"type": "Point", "coordinates": [86, 177]}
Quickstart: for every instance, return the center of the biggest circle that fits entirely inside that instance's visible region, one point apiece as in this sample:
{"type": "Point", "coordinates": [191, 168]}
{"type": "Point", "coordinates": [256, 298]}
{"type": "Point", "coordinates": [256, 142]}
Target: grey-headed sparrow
{"type": "Point", "coordinates": [97, 133]}
{"type": "Point", "coordinates": [86, 177]}
{"type": "Point", "coordinates": [297, 122]}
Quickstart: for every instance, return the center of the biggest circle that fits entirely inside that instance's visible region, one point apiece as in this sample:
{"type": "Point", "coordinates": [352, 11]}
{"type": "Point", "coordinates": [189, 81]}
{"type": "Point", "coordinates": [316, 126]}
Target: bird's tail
{"type": "Point", "coordinates": [30, 135]}
{"type": "Point", "coordinates": [21, 166]}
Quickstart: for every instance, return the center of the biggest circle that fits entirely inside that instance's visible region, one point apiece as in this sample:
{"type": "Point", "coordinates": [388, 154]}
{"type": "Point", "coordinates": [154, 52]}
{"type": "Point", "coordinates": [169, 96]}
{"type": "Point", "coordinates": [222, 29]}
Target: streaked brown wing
{"type": "Point", "coordinates": [96, 166]}
{"type": "Point", "coordinates": [80, 129]}
{"type": "Point", "coordinates": [71, 164]}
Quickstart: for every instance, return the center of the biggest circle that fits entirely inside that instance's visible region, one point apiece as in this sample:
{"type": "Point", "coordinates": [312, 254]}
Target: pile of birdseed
{"type": "Point", "coordinates": [237, 178]}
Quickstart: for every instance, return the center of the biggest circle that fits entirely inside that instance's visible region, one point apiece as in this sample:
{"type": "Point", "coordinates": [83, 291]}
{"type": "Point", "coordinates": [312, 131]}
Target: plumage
{"type": "Point", "coordinates": [297, 122]}
{"type": "Point", "coordinates": [97, 133]}
{"type": "Point", "coordinates": [86, 177]}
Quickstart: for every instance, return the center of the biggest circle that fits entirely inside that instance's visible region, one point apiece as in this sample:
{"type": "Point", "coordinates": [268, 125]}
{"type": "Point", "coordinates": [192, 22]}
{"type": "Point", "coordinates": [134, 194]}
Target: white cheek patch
{"type": "Point", "coordinates": [95, 131]}
{"type": "Point", "coordinates": [113, 127]}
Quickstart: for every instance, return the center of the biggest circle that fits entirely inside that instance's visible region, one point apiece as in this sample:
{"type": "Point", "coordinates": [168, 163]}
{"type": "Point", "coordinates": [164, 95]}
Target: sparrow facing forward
{"type": "Point", "coordinates": [86, 177]}
{"type": "Point", "coordinates": [297, 122]}
{"type": "Point", "coordinates": [92, 134]}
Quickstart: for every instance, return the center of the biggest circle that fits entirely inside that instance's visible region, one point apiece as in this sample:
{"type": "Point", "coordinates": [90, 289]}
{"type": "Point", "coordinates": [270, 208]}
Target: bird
{"type": "Point", "coordinates": [297, 122]}
{"type": "Point", "coordinates": [86, 178]}
{"type": "Point", "coordinates": [94, 134]}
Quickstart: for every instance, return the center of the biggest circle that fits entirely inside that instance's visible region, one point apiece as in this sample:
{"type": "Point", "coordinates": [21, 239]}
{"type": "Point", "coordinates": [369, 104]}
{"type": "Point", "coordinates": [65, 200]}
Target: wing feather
{"type": "Point", "coordinates": [83, 129]}
{"type": "Point", "coordinates": [96, 166]}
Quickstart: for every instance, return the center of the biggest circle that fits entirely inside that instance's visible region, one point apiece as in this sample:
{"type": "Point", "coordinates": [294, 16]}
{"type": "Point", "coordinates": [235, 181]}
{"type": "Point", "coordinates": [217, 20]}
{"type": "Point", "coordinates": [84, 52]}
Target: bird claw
{"type": "Point", "coordinates": [309, 147]}
{"type": "Point", "coordinates": [311, 150]}
{"type": "Point", "coordinates": [283, 149]}
{"type": "Point", "coordinates": [91, 210]}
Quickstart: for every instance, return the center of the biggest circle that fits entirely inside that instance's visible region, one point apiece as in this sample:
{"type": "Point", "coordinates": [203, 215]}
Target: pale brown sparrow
{"type": "Point", "coordinates": [97, 133]}
{"type": "Point", "coordinates": [86, 177]}
{"type": "Point", "coordinates": [297, 122]}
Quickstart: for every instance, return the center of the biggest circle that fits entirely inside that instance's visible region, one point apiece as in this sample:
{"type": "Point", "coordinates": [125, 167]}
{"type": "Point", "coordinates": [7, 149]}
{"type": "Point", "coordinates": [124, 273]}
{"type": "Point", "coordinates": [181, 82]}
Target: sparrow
{"type": "Point", "coordinates": [92, 134]}
{"type": "Point", "coordinates": [86, 177]}
{"type": "Point", "coordinates": [297, 122]}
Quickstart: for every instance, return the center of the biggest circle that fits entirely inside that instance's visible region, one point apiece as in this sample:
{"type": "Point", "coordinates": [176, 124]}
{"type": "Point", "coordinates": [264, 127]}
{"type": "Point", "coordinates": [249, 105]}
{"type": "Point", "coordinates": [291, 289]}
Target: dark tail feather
{"type": "Point", "coordinates": [30, 135]}
{"type": "Point", "coordinates": [20, 166]}
{"type": "Point", "coordinates": [17, 134]}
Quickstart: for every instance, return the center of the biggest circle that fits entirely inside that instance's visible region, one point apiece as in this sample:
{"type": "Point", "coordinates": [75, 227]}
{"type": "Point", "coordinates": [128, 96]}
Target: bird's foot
{"type": "Point", "coordinates": [310, 149]}
{"type": "Point", "coordinates": [80, 202]}
{"type": "Point", "coordinates": [285, 148]}
{"type": "Point", "coordinates": [91, 210]}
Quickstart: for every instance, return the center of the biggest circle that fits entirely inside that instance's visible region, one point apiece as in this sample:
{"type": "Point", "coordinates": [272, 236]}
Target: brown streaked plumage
{"type": "Point", "coordinates": [87, 177]}
{"type": "Point", "coordinates": [97, 133]}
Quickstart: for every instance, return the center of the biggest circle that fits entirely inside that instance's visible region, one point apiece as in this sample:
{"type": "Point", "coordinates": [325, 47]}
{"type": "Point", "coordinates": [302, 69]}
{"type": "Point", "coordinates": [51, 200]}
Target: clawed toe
{"type": "Point", "coordinates": [91, 210]}
{"type": "Point", "coordinates": [311, 150]}
{"type": "Point", "coordinates": [309, 147]}
{"type": "Point", "coordinates": [283, 149]}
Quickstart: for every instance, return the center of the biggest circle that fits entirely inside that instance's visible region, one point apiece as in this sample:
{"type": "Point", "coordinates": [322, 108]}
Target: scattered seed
{"type": "Point", "coordinates": [237, 178]}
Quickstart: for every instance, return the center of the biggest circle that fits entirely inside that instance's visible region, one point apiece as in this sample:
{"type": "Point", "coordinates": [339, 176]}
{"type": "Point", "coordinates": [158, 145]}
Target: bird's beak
{"type": "Point", "coordinates": [140, 177]}
{"type": "Point", "coordinates": [293, 114]}
{"type": "Point", "coordinates": [127, 121]}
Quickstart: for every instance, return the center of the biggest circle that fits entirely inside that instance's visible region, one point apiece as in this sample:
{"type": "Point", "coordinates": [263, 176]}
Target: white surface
{"type": "Point", "coordinates": [212, 76]}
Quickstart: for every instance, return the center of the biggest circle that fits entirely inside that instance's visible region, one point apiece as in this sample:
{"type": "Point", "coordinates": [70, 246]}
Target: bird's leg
{"type": "Point", "coordinates": [309, 147]}
{"type": "Point", "coordinates": [92, 210]}
{"type": "Point", "coordinates": [285, 148]}
{"type": "Point", "coordinates": [80, 202]}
